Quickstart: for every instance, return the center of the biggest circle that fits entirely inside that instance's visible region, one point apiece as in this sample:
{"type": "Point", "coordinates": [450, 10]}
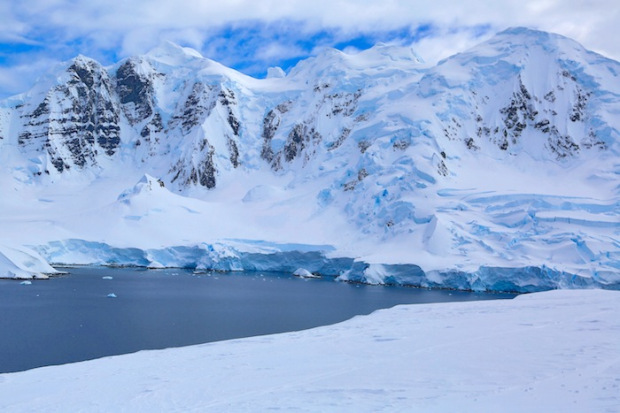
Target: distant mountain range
{"type": "Point", "coordinates": [505, 155]}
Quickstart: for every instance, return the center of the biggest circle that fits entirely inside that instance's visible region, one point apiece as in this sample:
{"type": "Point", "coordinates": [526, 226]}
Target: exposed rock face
{"type": "Point", "coordinates": [206, 104]}
{"type": "Point", "coordinates": [271, 123]}
{"type": "Point", "coordinates": [303, 139]}
{"type": "Point", "coordinates": [229, 103]}
{"type": "Point", "coordinates": [135, 90]}
{"type": "Point", "coordinates": [201, 171]}
{"type": "Point", "coordinates": [195, 109]}
{"type": "Point", "coordinates": [76, 121]}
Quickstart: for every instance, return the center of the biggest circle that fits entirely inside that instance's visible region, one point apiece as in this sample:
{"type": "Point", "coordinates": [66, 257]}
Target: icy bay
{"type": "Point", "coordinates": [97, 312]}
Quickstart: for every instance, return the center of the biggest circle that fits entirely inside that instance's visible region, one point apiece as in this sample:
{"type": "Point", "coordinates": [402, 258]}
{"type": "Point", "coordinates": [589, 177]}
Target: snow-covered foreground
{"type": "Point", "coordinates": [543, 352]}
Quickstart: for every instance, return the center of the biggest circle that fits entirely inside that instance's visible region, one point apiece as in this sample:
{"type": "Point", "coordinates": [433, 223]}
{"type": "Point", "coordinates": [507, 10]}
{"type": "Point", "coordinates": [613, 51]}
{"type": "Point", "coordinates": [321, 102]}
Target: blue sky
{"type": "Point", "coordinates": [258, 46]}
{"type": "Point", "coordinates": [252, 36]}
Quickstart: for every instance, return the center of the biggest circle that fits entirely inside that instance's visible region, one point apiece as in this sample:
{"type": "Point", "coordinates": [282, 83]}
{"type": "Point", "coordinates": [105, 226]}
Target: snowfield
{"type": "Point", "coordinates": [543, 352]}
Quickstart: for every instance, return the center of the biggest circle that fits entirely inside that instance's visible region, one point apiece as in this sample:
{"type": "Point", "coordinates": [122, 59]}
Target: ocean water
{"type": "Point", "coordinates": [97, 312]}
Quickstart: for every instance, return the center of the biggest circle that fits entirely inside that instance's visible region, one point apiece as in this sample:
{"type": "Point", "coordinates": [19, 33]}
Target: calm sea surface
{"type": "Point", "coordinates": [74, 317]}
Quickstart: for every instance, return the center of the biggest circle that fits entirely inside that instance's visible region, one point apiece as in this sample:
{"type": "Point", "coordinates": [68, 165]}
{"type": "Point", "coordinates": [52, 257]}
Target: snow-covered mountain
{"type": "Point", "coordinates": [497, 168]}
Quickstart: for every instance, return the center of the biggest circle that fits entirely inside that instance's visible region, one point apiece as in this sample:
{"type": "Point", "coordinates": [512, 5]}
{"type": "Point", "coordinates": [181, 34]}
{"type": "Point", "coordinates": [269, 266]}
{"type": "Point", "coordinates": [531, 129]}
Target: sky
{"type": "Point", "coordinates": [253, 35]}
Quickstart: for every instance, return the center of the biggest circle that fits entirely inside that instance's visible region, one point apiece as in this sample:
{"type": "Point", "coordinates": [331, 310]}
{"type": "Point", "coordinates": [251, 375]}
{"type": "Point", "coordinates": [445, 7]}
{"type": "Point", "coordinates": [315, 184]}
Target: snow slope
{"type": "Point", "coordinates": [23, 263]}
{"type": "Point", "coordinates": [551, 351]}
{"type": "Point", "coordinates": [496, 168]}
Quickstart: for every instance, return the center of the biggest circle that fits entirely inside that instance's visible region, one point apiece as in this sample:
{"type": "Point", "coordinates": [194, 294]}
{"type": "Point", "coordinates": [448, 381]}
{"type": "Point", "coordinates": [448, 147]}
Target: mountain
{"type": "Point", "coordinates": [500, 158]}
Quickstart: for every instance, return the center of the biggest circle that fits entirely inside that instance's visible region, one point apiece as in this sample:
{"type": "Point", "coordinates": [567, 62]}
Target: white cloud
{"type": "Point", "coordinates": [18, 78]}
{"type": "Point", "coordinates": [103, 28]}
{"type": "Point", "coordinates": [593, 22]}
{"type": "Point", "coordinates": [278, 51]}
{"type": "Point", "coordinates": [433, 49]}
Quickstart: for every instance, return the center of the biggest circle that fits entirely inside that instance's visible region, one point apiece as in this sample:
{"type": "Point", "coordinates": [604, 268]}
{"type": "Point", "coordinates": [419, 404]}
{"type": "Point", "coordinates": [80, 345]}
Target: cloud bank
{"type": "Point", "coordinates": [253, 35]}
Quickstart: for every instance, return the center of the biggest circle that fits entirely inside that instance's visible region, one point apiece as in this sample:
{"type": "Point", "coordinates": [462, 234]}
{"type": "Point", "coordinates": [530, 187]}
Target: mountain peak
{"type": "Point", "coordinates": [392, 52]}
{"type": "Point", "coordinates": [520, 31]}
{"type": "Point", "coordinates": [380, 59]}
{"type": "Point", "coordinates": [517, 46]}
{"type": "Point", "coordinates": [172, 54]}
{"type": "Point", "coordinates": [550, 42]}
{"type": "Point", "coordinates": [146, 184]}
{"type": "Point", "coordinates": [80, 59]}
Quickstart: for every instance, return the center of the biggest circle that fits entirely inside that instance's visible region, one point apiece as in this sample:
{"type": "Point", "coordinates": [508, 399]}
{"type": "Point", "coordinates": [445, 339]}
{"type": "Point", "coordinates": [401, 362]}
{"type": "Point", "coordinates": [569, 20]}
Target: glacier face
{"type": "Point", "coordinates": [243, 255]}
{"type": "Point", "coordinates": [504, 156]}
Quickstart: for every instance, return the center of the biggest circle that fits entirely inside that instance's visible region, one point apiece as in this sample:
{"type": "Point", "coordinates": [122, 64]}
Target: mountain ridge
{"type": "Point", "coordinates": [489, 157]}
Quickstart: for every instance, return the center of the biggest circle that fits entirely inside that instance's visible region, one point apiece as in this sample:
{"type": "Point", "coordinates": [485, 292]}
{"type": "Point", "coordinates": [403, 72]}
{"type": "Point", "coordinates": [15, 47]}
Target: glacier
{"type": "Point", "coordinates": [496, 169]}
{"type": "Point", "coordinates": [239, 255]}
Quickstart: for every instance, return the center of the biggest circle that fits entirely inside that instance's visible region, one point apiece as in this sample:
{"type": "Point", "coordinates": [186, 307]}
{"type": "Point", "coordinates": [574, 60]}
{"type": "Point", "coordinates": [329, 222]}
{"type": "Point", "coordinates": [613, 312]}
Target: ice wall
{"type": "Point", "coordinates": [255, 256]}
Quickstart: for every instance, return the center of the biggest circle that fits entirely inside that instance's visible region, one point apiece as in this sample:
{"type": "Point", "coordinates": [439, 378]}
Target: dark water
{"type": "Point", "coordinates": [71, 318]}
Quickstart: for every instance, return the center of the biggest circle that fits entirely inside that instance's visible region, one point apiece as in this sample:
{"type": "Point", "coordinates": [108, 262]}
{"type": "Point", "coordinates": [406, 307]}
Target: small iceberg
{"type": "Point", "coordinates": [201, 272]}
{"type": "Point", "coordinates": [107, 277]}
{"type": "Point", "coordinates": [111, 295]}
{"type": "Point", "coordinates": [26, 282]}
{"type": "Point", "coordinates": [304, 273]}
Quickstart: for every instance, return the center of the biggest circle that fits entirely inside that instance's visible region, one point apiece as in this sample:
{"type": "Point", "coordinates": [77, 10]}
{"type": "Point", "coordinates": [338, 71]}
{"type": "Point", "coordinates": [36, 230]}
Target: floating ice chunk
{"type": "Point", "coordinates": [26, 282]}
{"type": "Point", "coordinates": [304, 273]}
{"type": "Point", "coordinates": [107, 277]}
{"type": "Point", "coordinates": [201, 272]}
{"type": "Point", "coordinates": [154, 265]}
{"type": "Point", "coordinates": [111, 295]}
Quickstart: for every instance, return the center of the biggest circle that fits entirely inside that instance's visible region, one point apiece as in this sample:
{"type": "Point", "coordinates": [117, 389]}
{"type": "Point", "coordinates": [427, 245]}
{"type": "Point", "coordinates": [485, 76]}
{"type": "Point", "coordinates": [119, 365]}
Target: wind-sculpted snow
{"type": "Point", "coordinates": [504, 156]}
